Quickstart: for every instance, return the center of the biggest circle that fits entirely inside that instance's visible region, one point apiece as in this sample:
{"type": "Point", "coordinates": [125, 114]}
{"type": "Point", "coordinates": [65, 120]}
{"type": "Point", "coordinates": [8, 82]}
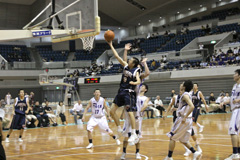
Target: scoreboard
{"type": "Point", "coordinates": [91, 80]}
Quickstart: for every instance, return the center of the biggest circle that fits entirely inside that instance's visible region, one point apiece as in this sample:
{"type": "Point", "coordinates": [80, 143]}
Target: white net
{"type": "Point", "coordinates": [88, 42]}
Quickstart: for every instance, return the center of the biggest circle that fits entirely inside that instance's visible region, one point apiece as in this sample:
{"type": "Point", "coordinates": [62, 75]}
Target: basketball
{"type": "Point", "coordinates": [109, 35]}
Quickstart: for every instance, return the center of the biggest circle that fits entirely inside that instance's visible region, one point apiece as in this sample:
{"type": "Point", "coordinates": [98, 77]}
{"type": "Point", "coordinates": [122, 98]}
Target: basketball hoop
{"type": "Point", "coordinates": [88, 42]}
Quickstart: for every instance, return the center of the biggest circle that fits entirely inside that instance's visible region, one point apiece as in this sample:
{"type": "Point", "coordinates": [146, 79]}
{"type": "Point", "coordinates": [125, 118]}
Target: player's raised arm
{"type": "Point", "coordinates": [203, 100]}
{"type": "Point", "coordinates": [120, 60]}
{"type": "Point", "coordinates": [86, 109]}
{"type": "Point", "coordinates": [138, 80]}
{"type": "Point", "coordinates": [169, 107]}
{"type": "Point", "coordinates": [126, 49]}
{"type": "Point", "coordinates": [147, 71]}
{"type": "Point", "coordinates": [189, 102]}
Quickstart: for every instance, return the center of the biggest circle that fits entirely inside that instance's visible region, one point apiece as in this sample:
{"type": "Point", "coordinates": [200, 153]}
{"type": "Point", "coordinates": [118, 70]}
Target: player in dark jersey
{"type": "Point", "coordinates": [173, 107]}
{"type": "Point", "coordinates": [20, 109]}
{"type": "Point", "coordinates": [198, 98]}
{"type": "Point", "coordinates": [126, 94]}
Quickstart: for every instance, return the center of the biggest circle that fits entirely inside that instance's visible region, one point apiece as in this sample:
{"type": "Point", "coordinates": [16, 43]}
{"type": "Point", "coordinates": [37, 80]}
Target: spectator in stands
{"type": "Point", "coordinates": [101, 65]}
{"type": "Point", "coordinates": [222, 93]}
{"type": "Point", "coordinates": [230, 51]}
{"type": "Point", "coordinates": [212, 103]}
{"type": "Point", "coordinates": [42, 117]}
{"type": "Point", "coordinates": [159, 105]}
{"type": "Point", "coordinates": [153, 64]}
{"type": "Point", "coordinates": [219, 101]}
{"type": "Point", "coordinates": [76, 111]}
{"type": "Point", "coordinates": [201, 46]}
{"type": "Point", "coordinates": [235, 51]}
{"type": "Point", "coordinates": [50, 114]}
{"type": "Point", "coordinates": [3, 65]}
{"type": "Point", "coordinates": [165, 59]}
{"type": "Point", "coordinates": [61, 112]}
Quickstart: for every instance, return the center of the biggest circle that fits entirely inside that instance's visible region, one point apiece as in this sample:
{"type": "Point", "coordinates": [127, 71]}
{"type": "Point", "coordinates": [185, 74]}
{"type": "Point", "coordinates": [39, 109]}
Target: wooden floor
{"type": "Point", "coordinates": [69, 142]}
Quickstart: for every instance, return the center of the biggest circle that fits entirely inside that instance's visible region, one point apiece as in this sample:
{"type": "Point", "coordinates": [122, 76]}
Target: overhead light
{"type": "Point", "coordinates": [220, 0]}
{"type": "Point", "coordinates": [178, 12]}
{"type": "Point", "coordinates": [160, 17]}
{"type": "Point", "coordinates": [143, 8]}
{"type": "Point", "coordinates": [213, 42]}
{"type": "Point", "coordinates": [139, 24]}
{"type": "Point", "coordinates": [149, 20]}
{"type": "Point", "coordinates": [201, 5]}
{"type": "Point", "coordinates": [119, 28]}
{"type": "Point", "coordinates": [189, 9]}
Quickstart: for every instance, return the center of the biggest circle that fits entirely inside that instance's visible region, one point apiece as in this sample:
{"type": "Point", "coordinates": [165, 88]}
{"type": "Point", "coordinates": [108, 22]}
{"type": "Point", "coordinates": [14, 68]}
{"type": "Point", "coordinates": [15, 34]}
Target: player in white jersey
{"type": "Point", "coordinates": [182, 127]}
{"type": "Point", "coordinates": [8, 98]}
{"type": "Point", "coordinates": [234, 125]}
{"type": "Point", "coordinates": [98, 118]}
{"type": "Point", "coordinates": [142, 103]}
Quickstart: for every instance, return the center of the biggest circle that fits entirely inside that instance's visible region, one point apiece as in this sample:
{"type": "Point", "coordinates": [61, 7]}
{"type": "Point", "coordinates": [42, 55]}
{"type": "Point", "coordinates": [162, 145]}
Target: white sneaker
{"type": "Point", "coordinates": [187, 153]}
{"type": "Point", "coordinates": [138, 156]}
{"type": "Point", "coordinates": [123, 155]}
{"type": "Point", "coordinates": [20, 140]}
{"type": "Point", "coordinates": [118, 142]}
{"type": "Point", "coordinates": [132, 138]}
{"type": "Point", "coordinates": [89, 146]}
{"type": "Point", "coordinates": [196, 155]}
{"type": "Point", "coordinates": [233, 156]}
{"type": "Point", "coordinates": [168, 158]}
{"type": "Point", "coordinates": [198, 148]}
{"type": "Point", "coordinates": [201, 129]}
{"type": "Point", "coordinates": [7, 140]}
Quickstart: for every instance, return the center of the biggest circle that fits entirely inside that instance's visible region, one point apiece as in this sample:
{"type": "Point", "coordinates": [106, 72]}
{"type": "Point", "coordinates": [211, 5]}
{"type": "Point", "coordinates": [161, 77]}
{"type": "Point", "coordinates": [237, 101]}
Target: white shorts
{"type": "Point", "coordinates": [234, 124]}
{"type": "Point", "coordinates": [51, 115]}
{"type": "Point", "coordinates": [100, 122]}
{"type": "Point", "coordinates": [181, 132]}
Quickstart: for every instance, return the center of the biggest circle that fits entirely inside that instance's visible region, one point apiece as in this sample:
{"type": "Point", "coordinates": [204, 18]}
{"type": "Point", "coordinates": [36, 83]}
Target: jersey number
{"type": "Point", "coordinates": [96, 111]}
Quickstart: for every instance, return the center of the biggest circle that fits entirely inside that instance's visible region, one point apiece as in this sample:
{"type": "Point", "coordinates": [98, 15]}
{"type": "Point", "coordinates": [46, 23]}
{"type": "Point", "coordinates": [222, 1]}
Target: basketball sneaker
{"type": "Point", "coordinates": [7, 140]}
{"type": "Point", "coordinates": [168, 158]}
{"type": "Point", "coordinates": [198, 148]}
{"type": "Point", "coordinates": [196, 155]}
{"type": "Point", "coordinates": [132, 139]}
{"type": "Point", "coordinates": [90, 146]}
{"type": "Point", "coordinates": [118, 142]}
{"type": "Point", "coordinates": [123, 156]}
{"type": "Point", "coordinates": [187, 153]}
{"type": "Point", "coordinates": [201, 129]}
{"type": "Point", "coordinates": [233, 156]}
{"type": "Point", "coordinates": [20, 140]}
{"type": "Point", "coordinates": [138, 156]}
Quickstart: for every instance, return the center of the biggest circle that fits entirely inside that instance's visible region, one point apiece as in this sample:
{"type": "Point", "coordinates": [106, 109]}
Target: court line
{"type": "Point", "coordinates": [103, 146]}
{"type": "Point", "coordinates": [146, 157]}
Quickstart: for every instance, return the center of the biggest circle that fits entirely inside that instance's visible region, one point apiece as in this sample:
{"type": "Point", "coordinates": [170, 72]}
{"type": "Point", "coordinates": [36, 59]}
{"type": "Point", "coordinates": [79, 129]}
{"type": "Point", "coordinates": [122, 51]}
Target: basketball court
{"type": "Point", "coordinates": [69, 142]}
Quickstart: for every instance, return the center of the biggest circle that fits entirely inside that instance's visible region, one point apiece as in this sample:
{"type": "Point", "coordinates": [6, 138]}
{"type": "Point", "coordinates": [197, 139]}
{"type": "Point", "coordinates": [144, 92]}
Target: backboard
{"type": "Point", "coordinates": [81, 19]}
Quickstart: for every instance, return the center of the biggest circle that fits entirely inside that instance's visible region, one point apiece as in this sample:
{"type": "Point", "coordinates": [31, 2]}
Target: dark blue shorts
{"type": "Point", "coordinates": [196, 112]}
{"type": "Point", "coordinates": [127, 99]}
{"type": "Point", "coordinates": [18, 122]}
